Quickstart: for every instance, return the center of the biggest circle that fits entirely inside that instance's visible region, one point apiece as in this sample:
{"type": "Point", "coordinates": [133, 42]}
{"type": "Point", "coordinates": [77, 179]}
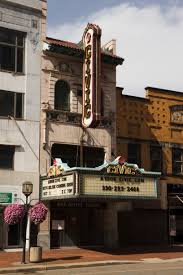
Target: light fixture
{"type": "Point", "coordinates": [27, 188]}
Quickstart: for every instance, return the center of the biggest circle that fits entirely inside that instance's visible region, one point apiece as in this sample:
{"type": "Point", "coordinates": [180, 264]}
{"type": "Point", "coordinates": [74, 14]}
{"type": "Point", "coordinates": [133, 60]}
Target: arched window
{"type": "Point", "coordinates": [62, 96]}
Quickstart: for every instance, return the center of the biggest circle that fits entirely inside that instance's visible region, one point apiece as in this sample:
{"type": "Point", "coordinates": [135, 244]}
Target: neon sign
{"type": "Point", "coordinates": [91, 76]}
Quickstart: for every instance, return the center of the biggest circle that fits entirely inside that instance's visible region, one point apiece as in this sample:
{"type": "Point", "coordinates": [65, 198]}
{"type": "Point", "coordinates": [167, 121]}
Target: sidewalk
{"type": "Point", "coordinates": [72, 257]}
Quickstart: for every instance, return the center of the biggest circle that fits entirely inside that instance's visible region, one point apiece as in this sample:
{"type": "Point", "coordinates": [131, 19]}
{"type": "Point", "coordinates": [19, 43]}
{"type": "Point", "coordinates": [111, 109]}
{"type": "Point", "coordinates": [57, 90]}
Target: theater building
{"type": "Point", "coordinates": [149, 133]}
{"type": "Point", "coordinates": [77, 106]}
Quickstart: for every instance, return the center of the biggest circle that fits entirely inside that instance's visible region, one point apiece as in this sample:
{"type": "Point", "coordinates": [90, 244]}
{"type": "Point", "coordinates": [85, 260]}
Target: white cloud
{"type": "Point", "coordinates": [149, 39]}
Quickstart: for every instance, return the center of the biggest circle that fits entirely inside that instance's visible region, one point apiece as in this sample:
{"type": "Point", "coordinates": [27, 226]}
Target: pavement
{"type": "Point", "coordinates": [10, 262]}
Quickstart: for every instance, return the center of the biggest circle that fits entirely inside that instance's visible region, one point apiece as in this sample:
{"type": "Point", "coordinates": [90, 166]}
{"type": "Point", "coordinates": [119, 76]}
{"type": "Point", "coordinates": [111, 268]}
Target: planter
{"type": "Point", "coordinates": [35, 254]}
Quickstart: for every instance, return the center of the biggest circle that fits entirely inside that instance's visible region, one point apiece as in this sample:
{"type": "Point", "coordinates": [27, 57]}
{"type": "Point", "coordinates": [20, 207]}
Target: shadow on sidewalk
{"type": "Point", "coordinates": [138, 250]}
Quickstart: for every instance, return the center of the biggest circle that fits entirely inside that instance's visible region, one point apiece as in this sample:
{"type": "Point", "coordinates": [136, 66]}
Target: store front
{"type": "Point", "coordinates": [76, 224]}
{"type": "Point", "coordinates": [10, 235]}
{"type": "Point", "coordinates": [84, 203]}
{"type": "Point", "coordinates": [175, 213]}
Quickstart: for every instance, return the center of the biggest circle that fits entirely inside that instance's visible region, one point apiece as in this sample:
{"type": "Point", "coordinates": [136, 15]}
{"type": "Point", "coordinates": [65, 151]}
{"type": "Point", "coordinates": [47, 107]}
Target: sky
{"type": "Point", "coordinates": [148, 33]}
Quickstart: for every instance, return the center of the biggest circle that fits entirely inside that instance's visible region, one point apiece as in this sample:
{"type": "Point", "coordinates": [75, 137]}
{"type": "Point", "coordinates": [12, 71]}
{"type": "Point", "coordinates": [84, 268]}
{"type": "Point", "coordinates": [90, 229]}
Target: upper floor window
{"type": "Point", "coordinates": [134, 153]}
{"type": "Point", "coordinates": [11, 104]}
{"type": "Point", "coordinates": [6, 156]}
{"type": "Point", "coordinates": [177, 161]}
{"type": "Point", "coordinates": [11, 50]}
{"type": "Point", "coordinates": [62, 96]}
{"type": "Point", "coordinates": [156, 158]}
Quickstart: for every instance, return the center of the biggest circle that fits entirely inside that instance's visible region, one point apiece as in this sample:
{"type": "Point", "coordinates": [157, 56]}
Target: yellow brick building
{"type": "Point", "coordinates": [150, 133]}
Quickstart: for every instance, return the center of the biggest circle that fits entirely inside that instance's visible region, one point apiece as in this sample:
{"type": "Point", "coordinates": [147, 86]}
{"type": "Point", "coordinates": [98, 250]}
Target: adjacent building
{"type": "Point", "coordinates": [149, 133]}
{"type": "Point", "coordinates": [20, 63]}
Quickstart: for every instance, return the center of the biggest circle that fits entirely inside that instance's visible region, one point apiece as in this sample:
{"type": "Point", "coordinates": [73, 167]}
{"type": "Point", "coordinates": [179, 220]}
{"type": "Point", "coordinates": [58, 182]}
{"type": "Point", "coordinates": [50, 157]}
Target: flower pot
{"type": "Point", "coordinates": [35, 254]}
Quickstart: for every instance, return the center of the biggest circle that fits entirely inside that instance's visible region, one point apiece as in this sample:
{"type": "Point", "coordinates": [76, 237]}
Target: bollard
{"type": "Point", "coordinates": [35, 254]}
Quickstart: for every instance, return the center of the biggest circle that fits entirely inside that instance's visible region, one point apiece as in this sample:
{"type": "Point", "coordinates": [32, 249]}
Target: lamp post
{"type": "Point", "coordinates": [27, 189]}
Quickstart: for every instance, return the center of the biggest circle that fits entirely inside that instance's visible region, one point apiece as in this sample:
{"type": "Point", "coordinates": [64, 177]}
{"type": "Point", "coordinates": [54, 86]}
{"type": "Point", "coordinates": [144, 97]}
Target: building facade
{"type": "Point", "coordinates": [149, 133]}
{"type": "Point", "coordinates": [20, 62]}
{"type": "Point", "coordinates": [63, 135]}
{"type": "Point", "coordinates": [86, 191]}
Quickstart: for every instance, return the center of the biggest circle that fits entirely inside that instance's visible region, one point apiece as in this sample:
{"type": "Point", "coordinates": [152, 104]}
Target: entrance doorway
{"type": "Point", "coordinates": [12, 235]}
{"type": "Point", "coordinates": [76, 227]}
{"type": "Point", "coordinates": [178, 226]}
{"type": "Point", "coordinates": [142, 227]}
{"type": "Point", "coordinates": [1, 230]}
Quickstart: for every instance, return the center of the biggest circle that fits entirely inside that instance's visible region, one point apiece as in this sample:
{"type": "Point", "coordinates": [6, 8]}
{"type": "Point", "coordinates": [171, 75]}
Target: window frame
{"type": "Point", "coordinates": [138, 155]}
{"type": "Point", "coordinates": [15, 46]}
{"type": "Point", "coordinates": [152, 147]}
{"type": "Point", "coordinates": [177, 161]}
{"type": "Point", "coordinates": [15, 105]}
{"type": "Point", "coordinates": [69, 94]}
{"type": "Point", "coordinates": [13, 157]}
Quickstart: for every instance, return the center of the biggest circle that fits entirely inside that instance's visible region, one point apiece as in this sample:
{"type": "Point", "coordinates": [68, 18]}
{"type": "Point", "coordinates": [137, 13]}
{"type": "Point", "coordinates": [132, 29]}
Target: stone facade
{"type": "Point", "coordinates": [23, 134]}
{"type": "Point", "coordinates": [59, 127]}
{"type": "Point", "coordinates": [61, 131]}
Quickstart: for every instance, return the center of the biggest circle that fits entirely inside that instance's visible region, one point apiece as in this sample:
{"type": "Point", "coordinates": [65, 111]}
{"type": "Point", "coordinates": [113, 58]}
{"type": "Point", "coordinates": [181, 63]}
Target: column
{"type": "Point", "coordinates": [44, 230]}
{"type": "Point", "coordinates": [111, 236]}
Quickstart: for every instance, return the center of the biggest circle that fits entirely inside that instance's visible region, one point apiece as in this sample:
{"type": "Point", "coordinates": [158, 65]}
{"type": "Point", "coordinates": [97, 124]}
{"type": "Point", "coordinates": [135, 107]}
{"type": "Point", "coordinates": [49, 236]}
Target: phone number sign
{"type": "Point", "coordinates": [119, 186]}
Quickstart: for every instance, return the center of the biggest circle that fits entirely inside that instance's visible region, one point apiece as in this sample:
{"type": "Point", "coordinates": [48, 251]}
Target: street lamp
{"type": "Point", "coordinates": [27, 189]}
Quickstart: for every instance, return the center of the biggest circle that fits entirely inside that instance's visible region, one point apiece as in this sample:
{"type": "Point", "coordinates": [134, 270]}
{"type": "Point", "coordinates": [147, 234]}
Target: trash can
{"type": "Point", "coordinates": [35, 254]}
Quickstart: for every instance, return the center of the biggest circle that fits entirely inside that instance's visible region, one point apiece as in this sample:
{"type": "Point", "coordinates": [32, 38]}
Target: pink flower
{"type": "Point", "coordinates": [38, 213]}
{"type": "Point", "coordinates": [14, 213]}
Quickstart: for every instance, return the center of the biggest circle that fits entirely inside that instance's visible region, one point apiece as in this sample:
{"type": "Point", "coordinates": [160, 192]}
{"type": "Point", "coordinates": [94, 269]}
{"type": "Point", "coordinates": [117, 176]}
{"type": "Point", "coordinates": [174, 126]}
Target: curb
{"type": "Point", "coordinates": [63, 266]}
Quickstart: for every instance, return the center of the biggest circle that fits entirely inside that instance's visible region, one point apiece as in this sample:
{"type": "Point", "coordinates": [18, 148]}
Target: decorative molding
{"type": "Point", "coordinates": [177, 117]}
{"type": "Point", "coordinates": [65, 67]}
{"type": "Point", "coordinates": [70, 117]}
{"type": "Point", "coordinates": [34, 39]}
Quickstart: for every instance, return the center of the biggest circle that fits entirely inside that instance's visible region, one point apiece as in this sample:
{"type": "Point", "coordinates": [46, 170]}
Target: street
{"type": "Point", "coordinates": [126, 269]}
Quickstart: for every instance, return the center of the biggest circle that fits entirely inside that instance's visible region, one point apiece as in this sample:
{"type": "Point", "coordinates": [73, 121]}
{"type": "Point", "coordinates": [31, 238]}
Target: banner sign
{"type": "Point", "coordinates": [91, 76]}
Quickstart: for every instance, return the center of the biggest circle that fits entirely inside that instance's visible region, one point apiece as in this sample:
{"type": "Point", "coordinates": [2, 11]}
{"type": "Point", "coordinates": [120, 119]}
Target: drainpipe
{"type": "Point", "coordinates": [81, 148]}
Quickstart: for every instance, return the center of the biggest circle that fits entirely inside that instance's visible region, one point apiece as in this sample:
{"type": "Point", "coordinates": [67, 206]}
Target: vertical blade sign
{"type": "Point", "coordinates": [91, 76]}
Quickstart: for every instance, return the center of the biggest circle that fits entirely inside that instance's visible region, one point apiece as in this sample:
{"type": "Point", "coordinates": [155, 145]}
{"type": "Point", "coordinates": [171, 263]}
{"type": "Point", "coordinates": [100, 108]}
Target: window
{"type": "Point", "coordinates": [177, 161]}
{"type": "Point", "coordinates": [70, 154]}
{"type": "Point", "coordinates": [175, 188]}
{"type": "Point", "coordinates": [11, 104]}
{"type": "Point", "coordinates": [11, 50]}
{"type": "Point", "coordinates": [156, 158]}
{"type": "Point", "coordinates": [6, 156]}
{"type": "Point", "coordinates": [79, 93]}
{"type": "Point", "coordinates": [62, 96]}
{"type": "Point", "coordinates": [134, 153]}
